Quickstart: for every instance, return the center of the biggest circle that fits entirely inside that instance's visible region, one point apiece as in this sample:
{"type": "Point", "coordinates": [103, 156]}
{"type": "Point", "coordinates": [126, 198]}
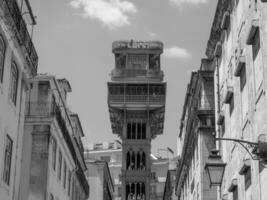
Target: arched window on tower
{"type": "Point", "coordinates": [143, 191]}
{"type": "Point", "coordinates": [139, 131]}
{"type": "Point", "coordinates": [138, 161]}
{"type": "Point", "coordinates": [128, 191]}
{"type": "Point", "coordinates": [143, 163]}
{"type": "Point", "coordinates": [133, 161]}
{"type": "Point", "coordinates": [128, 160]}
{"type": "Point", "coordinates": [129, 131]}
{"type": "Point", "coordinates": [143, 131]}
{"type": "Point", "coordinates": [134, 130]}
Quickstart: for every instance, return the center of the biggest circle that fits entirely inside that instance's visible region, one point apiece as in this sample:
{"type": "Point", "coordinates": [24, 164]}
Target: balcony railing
{"type": "Point", "coordinates": [21, 31]}
{"type": "Point", "coordinates": [43, 109]}
{"type": "Point", "coordinates": [124, 73]}
{"type": "Point", "coordinates": [137, 99]}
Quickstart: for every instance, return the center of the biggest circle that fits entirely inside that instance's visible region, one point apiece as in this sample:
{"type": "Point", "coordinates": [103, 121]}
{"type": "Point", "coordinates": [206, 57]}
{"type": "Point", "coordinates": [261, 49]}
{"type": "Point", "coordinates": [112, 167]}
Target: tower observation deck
{"type": "Point", "coordinates": [136, 100]}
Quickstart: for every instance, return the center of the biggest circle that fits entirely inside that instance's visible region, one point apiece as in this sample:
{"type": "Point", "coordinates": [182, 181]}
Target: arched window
{"type": "Point", "coordinates": [14, 82]}
{"type": "Point", "coordinates": [128, 160]}
{"type": "Point", "coordinates": [143, 161]}
{"type": "Point", "coordinates": [138, 160]}
{"type": "Point", "coordinates": [133, 161]}
{"type": "Point", "coordinates": [2, 57]}
{"type": "Point", "coordinates": [129, 131]}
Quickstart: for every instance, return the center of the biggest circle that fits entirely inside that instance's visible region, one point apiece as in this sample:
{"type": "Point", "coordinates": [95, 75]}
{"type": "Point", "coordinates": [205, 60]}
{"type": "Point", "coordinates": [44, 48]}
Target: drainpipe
{"type": "Point", "coordinates": [218, 98]}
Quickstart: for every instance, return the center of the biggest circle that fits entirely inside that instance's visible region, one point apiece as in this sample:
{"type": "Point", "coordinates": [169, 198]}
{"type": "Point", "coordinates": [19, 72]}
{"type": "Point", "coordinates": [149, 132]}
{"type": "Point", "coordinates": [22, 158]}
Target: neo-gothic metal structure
{"type": "Point", "coordinates": [136, 100]}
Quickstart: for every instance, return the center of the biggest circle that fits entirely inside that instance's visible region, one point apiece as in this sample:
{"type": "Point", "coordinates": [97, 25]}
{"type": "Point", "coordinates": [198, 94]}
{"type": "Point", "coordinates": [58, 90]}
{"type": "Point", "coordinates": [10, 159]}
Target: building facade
{"type": "Point", "coordinates": [169, 188]}
{"type": "Point", "coordinates": [237, 45]}
{"type": "Point", "coordinates": [52, 164]}
{"type": "Point", "coordinates": [18, 63]}
{"type": "Point", "coordinates": [99, 178]}
{"type": "Point", "coordinates": [111, 152]}
{"type": "Point", "coordinates": [136, 100]}
{"type": "Point", "coordinates": [196, 139]}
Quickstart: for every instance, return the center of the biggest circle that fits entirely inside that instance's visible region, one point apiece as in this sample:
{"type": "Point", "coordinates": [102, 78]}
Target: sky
{"type": "Point", "coordinates": [73, 39]}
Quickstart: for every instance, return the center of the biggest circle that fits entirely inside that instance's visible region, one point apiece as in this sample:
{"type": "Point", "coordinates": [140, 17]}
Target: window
{"type": "Point", "coordinates": [231, 105]}
{"type": "Point", "coordinates": [64, 174]}
{"type": "Point", "coordinates": [54, 154]}
{"type": "Point", "coordinates": [2, 57]}
{"type": "Point", "coordinates": [7, 161]}
{"type": "Point", "coordinates": [244, 92]}
{"type": "Point", "coordinates": [137, 61]}
{"type": "Point", "coordinates": [235, 193]}
{"type": "Point", "coordinates": [69, 182]}
{"type": "Point", "coordinates": [119, 191]}
{"type": "Point", "coordinates": [257, 59]}
{"type": "Point", "coordinates": [105, 158]}
{"type": "Point", "coordinates": [136, 130]}
{"type": "Point", "coordinates": [51, 197]}
{"type": "Point", "coordinates": [223, 127]}
{"type": "Point", "coordinates": [247, 175]}
{"type": "Point", "coordinates": [14, 82]}
{"type": "Point", "coordinates": [59, 164]}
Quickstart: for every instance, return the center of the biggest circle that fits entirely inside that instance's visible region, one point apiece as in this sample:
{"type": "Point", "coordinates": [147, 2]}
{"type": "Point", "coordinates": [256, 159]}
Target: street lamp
{"type": "Point", "coordinates": [215, 168]}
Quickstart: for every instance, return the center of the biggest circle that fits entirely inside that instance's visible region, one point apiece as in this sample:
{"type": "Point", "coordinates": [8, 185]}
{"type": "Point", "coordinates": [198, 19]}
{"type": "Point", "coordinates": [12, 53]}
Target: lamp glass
{"type": "Point", "coordinates": [215, 172]}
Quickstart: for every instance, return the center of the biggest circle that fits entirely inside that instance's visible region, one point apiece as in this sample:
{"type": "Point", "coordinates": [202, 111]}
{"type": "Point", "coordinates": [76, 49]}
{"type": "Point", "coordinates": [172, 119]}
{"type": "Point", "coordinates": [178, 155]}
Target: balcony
{"type": "Point", "coordinates": [137, 99]}
{"type": "Point", "coordinates": [120, 95]}
{"type": "Point", "coordinates": [136, 73]}
{"type": "Point", "coordinates": [41, 109]}
{"type": "Point", "coordinates": [15, 20]}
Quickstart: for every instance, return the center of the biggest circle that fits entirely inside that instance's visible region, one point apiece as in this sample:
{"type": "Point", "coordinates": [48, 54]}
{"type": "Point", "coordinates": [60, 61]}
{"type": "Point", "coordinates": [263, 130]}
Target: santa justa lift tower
{"type": "Point", "coordinates": [136, 100]}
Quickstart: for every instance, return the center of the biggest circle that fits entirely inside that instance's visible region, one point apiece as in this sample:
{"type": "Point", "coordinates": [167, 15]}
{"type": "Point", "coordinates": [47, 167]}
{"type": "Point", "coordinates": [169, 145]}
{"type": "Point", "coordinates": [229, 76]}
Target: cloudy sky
{"type": "Point", "coordinates": [73, 39]}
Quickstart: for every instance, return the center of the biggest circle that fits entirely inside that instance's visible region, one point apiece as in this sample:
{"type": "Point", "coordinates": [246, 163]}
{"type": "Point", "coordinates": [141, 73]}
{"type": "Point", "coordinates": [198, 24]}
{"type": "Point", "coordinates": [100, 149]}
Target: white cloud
{"type": "Point", "coordinates": [112, 13]}
{"type": "Point", "coordinates": [152, 35]}
{"type": "Point", "coordinates": [188, 2]}
{"type": "Point", "coordinates": [177, 52]}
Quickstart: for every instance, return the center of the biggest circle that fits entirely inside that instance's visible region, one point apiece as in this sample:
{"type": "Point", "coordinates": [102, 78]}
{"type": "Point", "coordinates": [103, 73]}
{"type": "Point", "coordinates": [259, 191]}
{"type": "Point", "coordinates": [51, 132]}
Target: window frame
{"type": "Point", "coordinates": [247, 178]}
{"type": "Point", "coordinates": [54, 154]}
{"type": "Point", "coordinates": [7, 163]}
{"type": "Point", "coordinates": [3, 53]}
{"type": "Point", "coordinates": [69, 182]}
{"type": "Point", "coordinates": [64, 174]}
{"type": "Point", "coordinates": [14, 78]}
{"type": "Point", "coordinates": [59, 164]}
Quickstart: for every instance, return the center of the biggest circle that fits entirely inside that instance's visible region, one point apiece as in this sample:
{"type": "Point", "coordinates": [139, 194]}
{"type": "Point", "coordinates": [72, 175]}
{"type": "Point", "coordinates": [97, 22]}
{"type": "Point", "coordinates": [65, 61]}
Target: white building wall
{"type": "Point", "coordinates": [11, 116]}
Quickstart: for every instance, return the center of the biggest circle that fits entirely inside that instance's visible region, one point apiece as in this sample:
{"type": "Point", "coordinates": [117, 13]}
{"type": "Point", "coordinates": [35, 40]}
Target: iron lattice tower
{"type": "Point", "coordinates": [136, 100]}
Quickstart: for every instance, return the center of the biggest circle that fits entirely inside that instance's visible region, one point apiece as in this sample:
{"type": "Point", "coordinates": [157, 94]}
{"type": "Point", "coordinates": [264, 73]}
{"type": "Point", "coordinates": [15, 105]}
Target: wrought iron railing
{"type": "Point", "coordinates": [43, 109]}
{"type": "Point", "coordinates": [117, 73]}
{"type": "Point", "coordinates": [21, 31]}
{"type": "Point", "coordinates": [151, 99]}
